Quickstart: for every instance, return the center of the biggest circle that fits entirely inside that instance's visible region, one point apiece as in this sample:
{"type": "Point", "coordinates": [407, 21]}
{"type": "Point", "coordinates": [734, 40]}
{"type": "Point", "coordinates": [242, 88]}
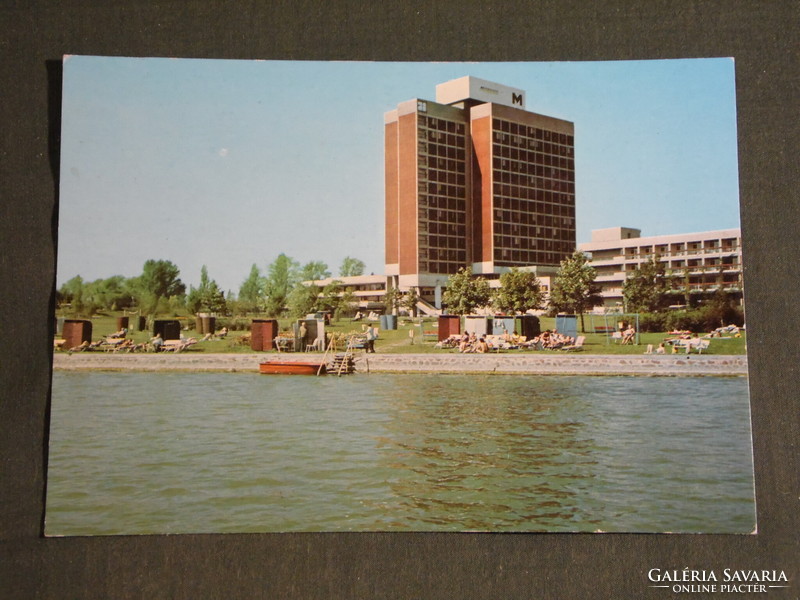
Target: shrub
{"type": "Point", "coordinates": [233, 323]}
{"type": "Point", "coordinates": [684, 320]}
{"type": "Point", "coordinates": [240, 324]}
{"type": "Point", "coordinates": [653, 322]}
{"type": "Point", "coordinates": [704, 319]}
{"type": "Point", "coordinates": [719, 314]}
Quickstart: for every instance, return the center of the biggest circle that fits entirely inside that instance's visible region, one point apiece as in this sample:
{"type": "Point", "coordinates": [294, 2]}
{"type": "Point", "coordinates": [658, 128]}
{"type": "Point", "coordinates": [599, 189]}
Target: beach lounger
{"type": "Point", "coordinates": [578, 345]}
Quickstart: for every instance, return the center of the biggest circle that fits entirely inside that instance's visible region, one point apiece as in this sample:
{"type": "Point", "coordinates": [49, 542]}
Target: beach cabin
{"type": "Point", "coordinates": [503, 324]}
{"type": "Point", "coordinates": [567, 325]}
{"type": "Point", "coordinates": [262, 334]}
{"type": "Point", "coordinates": [449, 325]}
{"type": "Point", "coordinates": [478, 324]}
{"type": "Point", "coordinates": [528, 326]}
{"type": "Point", "coordinates": [205, 323]}
{"type": "Point", "coordinates": [314, 338]}
{"type": "Point", "coordinates": [170, 329]}
{"type": "Point", "coordinates": [76, 331]}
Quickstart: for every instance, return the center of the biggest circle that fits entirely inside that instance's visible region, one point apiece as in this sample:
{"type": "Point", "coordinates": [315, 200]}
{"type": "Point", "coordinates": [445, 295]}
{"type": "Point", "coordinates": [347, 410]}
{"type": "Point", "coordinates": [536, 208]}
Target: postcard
{"type": "Point", "coordinates": [382, 296]}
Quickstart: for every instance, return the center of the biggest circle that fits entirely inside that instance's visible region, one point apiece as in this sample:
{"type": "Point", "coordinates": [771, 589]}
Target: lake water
{"type": "Point", "coordinates": [185, 453]}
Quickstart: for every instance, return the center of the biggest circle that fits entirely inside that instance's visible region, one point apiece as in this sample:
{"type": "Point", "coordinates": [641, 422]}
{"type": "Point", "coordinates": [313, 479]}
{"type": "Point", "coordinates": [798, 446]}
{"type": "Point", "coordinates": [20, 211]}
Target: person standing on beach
{"type": "Point", "coordinates": [302, 334]}
{"type": "Point", "coordinates": [371, 336]}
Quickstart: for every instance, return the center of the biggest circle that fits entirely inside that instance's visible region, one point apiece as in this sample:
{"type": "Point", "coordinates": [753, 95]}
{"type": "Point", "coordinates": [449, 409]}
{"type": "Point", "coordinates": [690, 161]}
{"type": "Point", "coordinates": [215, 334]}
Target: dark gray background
{"type": "Point", "coordinates": [761, 36]}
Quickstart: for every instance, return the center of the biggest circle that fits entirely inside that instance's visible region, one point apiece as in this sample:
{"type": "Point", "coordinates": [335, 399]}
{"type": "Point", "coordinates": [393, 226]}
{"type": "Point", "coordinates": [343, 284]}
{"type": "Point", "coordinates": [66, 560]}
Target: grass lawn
{"type": "Point", "coordinates": [399, 342]}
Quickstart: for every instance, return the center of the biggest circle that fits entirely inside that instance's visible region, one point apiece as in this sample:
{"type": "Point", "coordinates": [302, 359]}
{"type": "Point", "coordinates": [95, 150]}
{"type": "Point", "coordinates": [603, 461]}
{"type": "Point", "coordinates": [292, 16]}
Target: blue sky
{"type": "Point", "coordinates": [230, 163]}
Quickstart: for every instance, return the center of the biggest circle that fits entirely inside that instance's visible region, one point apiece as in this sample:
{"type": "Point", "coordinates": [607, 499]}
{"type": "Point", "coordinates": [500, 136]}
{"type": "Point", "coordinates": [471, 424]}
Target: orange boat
{"type": "Point", "coordinates": [278, 367]}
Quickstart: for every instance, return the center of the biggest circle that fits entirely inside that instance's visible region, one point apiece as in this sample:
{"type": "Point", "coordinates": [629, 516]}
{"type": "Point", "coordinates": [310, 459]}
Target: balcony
{"type": "Point", "coordinates": [610, 278]}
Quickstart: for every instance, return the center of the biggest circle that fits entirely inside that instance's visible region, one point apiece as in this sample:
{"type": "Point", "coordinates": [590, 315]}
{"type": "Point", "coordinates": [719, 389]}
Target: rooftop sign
{"type": "Point", "coordinates": [472, 88]}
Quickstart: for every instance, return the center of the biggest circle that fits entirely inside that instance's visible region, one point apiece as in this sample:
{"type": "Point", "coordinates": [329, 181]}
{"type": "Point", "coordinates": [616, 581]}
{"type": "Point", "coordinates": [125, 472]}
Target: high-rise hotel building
{"type": "Point", "coordinates": [474, 179]}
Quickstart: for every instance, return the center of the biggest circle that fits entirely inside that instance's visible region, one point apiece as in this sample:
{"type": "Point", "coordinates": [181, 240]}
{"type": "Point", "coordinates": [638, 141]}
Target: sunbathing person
{"type": "Point", "coordinates": [561, 340]}
{"type": "Point", "coordinates": [482, 347]}
{"type": "Point", "coordinates": [627, 335]}
{"type": "Point", "coordinates": [552, 340]}
{"type": "Point", "coordinates": [535, 343]}
{"type": "Point", "coordinates": [732, 329]}
{"type": "Point", "coordinates": [469, 343]}
{"type": "Point", "coordinates": [125, 345]}
{"type": "Point", "coordinates": [185, 343]}
{"type": "Point", "coordinates": [462, 342]}
{"type": "Point", "coordinates": [659, 350]}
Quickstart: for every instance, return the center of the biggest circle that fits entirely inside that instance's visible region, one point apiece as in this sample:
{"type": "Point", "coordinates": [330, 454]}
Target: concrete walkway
{"type": "Point", "coordinates": [534, 364]}
{"type": "Point", "coordinates": [555, 364]}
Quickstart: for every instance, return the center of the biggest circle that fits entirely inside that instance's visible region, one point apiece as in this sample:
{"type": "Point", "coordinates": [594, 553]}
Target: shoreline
{"type": "Point", "coordinates": [506, 364]}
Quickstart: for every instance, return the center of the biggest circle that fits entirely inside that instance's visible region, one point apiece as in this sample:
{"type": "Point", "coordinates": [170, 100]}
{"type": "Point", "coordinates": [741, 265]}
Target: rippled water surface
{"type": "Point", "coordinates": [181, 453]}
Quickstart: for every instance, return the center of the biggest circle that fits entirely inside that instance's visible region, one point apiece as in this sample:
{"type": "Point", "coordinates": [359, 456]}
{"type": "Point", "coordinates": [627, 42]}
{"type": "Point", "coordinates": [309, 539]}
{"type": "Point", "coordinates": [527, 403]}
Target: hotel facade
{"type": "Point", "coordinates": [695, 264]}
{"type": "Point", "coordinates": [473, 179]}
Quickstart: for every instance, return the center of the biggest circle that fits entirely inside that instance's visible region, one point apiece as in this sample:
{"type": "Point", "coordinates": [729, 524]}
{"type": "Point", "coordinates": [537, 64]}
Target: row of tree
{"type": "Point", "coordinates": [648, 290]}
{"type": "Point", "coordinates": [284, 287]}
{"type": "Point", "coordinates": [159, 290]}
{"type": "Point", "coordinates": [574, 290]}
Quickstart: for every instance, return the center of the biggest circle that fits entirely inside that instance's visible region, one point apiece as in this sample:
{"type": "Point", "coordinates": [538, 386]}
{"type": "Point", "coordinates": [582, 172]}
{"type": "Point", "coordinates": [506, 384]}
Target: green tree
{"type": "Point", "coordinates": [680, 285]}
{"type": "Point", "coordinates": [465, 293]}
{"type": "Point", "coordinates": [176, 303]}
{"type": "Point", "coordinates": [574, 289]}
{"type": "Point", "coordinates": [207, 297]}
{"type": "Point", "coordinates": [410, 300]}
{"type": "Point", "coordinates": [314, 270]}
{"type": "Point", "coordinates": [391, 300]}
{"type": "Point", "coordinates": [251, 292]}
{"type": "Point", "coordinates": [302, 300]}
{"type": "Point", "coordinates": [112, 293]}
{"type": "Point", "coordinates": [721, 309]}
{"type": "Point", "coordinates": [159, 279]}
{"type": "Point", "coordinates": [347, 302]}
{"type": "Point", "coordinates": [645, 289]}
{"type": "Point", "coordinates": [331, 297]}
{"type": "Point", "coordinates": [282, 275]}
{"type": "Point", "coordinates": [519, 291]}
{"type": "Point", "coordinates": [71, 292]}
{"type": "Point", "coordinates": [351, 267]}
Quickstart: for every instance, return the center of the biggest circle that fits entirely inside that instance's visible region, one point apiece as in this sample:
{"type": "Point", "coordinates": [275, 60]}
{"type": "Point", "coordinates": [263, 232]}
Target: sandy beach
{"type": "Point", "coordinates": [535, 364]}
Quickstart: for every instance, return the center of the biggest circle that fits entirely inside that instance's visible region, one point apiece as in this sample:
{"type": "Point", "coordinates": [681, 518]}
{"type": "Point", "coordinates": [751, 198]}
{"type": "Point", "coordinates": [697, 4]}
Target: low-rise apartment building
{"type": "Point", "coordinates": [369, 290]}
{"type": "Point", "coordinates": [697, 264]}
